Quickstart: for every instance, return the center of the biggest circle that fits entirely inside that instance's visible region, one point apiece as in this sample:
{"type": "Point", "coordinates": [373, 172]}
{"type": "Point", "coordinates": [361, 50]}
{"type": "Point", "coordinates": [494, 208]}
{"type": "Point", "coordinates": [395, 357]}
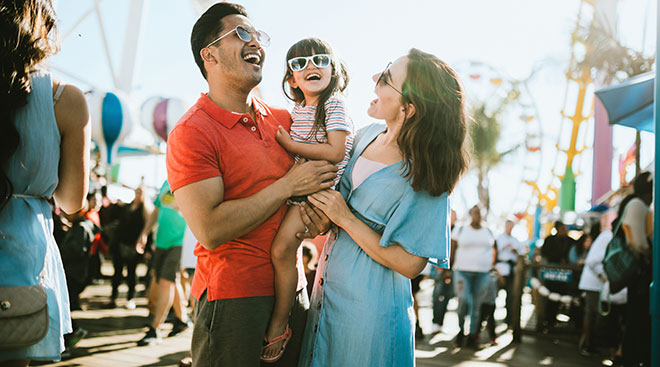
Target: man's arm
{"type": "Point", "coordinates": [215, 221]}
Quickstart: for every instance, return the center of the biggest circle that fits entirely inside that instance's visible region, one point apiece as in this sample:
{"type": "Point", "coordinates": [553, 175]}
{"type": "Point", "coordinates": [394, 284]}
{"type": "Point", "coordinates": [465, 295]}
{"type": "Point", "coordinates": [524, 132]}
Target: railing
{"type": "Point", "coordinates": [553, 272]}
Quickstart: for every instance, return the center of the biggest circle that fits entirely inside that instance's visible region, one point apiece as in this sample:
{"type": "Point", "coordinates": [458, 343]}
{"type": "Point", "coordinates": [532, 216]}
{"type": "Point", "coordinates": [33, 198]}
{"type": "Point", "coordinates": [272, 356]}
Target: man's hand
{"type": "Point", "coordinates": [315, 221]}
{"type": "Point", "coordinates": [309, 177]}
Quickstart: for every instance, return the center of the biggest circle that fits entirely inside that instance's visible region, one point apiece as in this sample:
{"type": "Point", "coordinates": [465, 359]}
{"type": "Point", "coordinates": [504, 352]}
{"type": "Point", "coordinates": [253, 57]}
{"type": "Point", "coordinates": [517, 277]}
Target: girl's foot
{"type": "Point", "coordinates": [275, 345]}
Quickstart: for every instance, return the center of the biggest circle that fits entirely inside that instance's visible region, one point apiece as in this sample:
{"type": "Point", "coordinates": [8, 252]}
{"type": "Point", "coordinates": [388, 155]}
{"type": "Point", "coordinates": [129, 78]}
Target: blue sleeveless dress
{"type": "Point", "coordinates": [27, 244]}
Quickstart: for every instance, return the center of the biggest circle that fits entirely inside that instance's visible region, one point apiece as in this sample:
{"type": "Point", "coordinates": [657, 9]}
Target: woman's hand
{"type": "Point", "coordinates": [283, 137]}
{"type": "Point", "coordinates": [316, 223]}
{"type": "Point", "coordinates": [333, 205]}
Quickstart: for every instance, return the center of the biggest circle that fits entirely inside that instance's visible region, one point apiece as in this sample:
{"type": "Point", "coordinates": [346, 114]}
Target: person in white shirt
{"type": "Point", "coordinates": [508, 249]}
{"type": "Point", "coordinates": [593, 280]}
{"type": "Point", "coordinates": [473, 252]}
{"type": "Point", "coordinates": [636, 217]}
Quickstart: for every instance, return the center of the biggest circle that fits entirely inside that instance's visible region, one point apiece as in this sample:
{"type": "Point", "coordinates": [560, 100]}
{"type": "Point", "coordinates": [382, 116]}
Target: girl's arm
{"type": "Point", "coordinates": [394, 257]}
{"type": "Point", "coordinates": [333, 151]}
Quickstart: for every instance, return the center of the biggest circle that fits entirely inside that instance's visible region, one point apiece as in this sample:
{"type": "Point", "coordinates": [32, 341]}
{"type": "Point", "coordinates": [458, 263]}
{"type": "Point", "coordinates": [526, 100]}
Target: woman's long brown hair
{"type": "Point", "coordinates": [433, 140]}
{"type": "Point", "coordinates": [25, 30]}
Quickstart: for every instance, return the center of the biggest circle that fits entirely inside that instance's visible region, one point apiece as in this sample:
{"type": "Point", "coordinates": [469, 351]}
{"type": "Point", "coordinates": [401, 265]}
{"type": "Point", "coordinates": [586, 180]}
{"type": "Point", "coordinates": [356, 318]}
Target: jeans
{"type": "Point", "coordinates": [442, 292]}
{"type": "Point", "coordinates": [471, 288]}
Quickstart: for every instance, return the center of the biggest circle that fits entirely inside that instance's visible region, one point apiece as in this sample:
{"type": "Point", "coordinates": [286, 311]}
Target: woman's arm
{"type": "Point", "coordinates": [634, 226]}
{"type": "Point", "coordinates": [75, 130]}
{"type": "Point", "coordinates": [334, 150]}
{"type": "Point", "coordinates": [393, 257]}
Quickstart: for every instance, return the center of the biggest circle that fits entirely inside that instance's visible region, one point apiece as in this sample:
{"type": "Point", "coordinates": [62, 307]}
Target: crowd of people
{"type": "Point", "coordinates": [252, 183]}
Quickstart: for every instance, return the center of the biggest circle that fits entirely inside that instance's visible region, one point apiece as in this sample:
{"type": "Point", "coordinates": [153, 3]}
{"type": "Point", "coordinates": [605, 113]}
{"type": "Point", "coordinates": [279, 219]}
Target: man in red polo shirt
{"type": "Point", "coordinates": [231, 179]}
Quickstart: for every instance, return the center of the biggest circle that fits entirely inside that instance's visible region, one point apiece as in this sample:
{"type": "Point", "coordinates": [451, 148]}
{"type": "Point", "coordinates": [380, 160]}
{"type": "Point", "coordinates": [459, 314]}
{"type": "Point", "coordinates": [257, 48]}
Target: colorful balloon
{"type": "Point", "coordinates": [159, 115]}
{"type": "Point", "coordinates": [111, 121]}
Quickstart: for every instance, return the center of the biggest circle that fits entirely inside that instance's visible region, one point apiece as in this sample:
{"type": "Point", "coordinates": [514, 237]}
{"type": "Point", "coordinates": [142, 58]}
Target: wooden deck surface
{"type": "Point", "coordinates": [113, 334]}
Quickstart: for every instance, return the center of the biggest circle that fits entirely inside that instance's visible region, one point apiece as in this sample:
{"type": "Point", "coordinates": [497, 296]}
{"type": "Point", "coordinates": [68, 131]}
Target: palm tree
{"type": "Point", "coordinates": [485, 133]}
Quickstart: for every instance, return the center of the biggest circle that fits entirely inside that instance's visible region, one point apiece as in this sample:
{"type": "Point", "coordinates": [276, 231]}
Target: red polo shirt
{"type": "Point", "coordinates": [209, 141]}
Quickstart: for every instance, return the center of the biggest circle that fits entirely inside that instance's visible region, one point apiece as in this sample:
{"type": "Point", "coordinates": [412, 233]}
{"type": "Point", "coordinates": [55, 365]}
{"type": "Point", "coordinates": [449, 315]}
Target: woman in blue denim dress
{"type": "Point", "coordinates": [44, 152]}
{"type": "Point", "coordinates": [392, 217]}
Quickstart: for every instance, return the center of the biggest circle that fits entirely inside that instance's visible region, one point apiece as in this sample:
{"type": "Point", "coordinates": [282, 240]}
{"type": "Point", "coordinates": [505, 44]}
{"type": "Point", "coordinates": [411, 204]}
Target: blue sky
{"type": "Point", "coordinates": [513, 36]}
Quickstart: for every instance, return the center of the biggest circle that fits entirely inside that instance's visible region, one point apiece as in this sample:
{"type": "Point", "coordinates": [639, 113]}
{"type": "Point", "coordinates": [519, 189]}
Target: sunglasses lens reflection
{"type": "Point", "coordinates": [298, 63]}
{"type": "Point", "coordinates": [321, 61]}
{"type": "Point", "coordinates": [263, 38]}
{"type": "Point", "coordinates": [243, 34]}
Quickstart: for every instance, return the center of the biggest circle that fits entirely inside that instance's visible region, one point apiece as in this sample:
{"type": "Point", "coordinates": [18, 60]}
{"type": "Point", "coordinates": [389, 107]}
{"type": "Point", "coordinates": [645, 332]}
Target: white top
{"type": "Point", "coordinates": [593, 266]}
{"type": "Point", "coordinates": [364, 168]}
{"type": "Point", "coordinates": [507, 249]}
{"type": "Point", "coordinates": [475, 248]}
{"type": "Point", "coordinates": [634, 216]}
{"type": "Point", "coordinates": [188, 259]}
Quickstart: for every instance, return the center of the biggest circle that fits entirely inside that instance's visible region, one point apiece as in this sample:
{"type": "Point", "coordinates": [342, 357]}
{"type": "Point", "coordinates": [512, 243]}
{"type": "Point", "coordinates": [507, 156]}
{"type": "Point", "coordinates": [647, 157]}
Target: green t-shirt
{"type": "Point", "coordinates": [171, 225]}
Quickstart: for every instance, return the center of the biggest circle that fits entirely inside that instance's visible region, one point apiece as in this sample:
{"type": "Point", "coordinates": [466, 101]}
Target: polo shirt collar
{"type": "Point", "coordinates": [228, 118]}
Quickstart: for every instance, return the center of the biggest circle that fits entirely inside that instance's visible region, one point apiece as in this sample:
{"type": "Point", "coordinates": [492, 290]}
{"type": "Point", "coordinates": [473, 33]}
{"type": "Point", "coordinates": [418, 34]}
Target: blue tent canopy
{"type": "Point", "coordinates": [630, 103]}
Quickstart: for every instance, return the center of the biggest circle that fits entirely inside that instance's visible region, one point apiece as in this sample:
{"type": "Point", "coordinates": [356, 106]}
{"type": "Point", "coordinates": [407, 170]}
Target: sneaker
{"type": "Point", "coordinates": [186, 362]}
{"type": "Point", "coordinates": [471, 342]}
{"type": "Point", "coordinates": [151, 338]}
{"type": "Point", "coordinates": [77, 335]}
{"type": "Point", "coordinates": [585, 352]}
{"type": "Point", "coordinates": [179, 326]}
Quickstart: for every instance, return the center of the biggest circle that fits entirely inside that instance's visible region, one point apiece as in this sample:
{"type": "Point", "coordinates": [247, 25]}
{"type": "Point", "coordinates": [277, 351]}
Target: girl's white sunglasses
{"type": "Point", "coordinates": [300, 63]}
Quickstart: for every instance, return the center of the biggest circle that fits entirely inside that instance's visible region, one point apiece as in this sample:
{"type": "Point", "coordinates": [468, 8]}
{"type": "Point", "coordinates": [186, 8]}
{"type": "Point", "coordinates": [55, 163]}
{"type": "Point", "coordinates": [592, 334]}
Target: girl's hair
{"type": "Point", "coordinates": [25, 30]}
{"type": "Point", "coordinates": [338, 82]}
{"type": "Point", "coordinates": [432, 141]}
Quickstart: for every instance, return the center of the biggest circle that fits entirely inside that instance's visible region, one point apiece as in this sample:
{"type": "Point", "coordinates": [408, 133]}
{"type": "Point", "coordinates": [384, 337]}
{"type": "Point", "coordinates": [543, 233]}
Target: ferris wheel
{"type": "Point", "coordinates": [492, 92]}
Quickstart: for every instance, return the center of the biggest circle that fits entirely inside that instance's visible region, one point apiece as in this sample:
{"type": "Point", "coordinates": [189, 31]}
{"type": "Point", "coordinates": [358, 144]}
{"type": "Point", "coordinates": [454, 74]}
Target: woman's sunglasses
{"type": "Point", "coordinates": [300, 63]}
{"type": "Point", "coordinates": [384, 76]}
{"type": "Point", "coordinates": [245, 35]}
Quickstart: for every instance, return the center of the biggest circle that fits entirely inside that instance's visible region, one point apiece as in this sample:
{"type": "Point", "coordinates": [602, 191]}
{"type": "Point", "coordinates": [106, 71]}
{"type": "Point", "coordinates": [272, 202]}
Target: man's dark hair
{"type": "Point", "coordinates": [559, 224]}
{"type": "Point", "coordinates": [209, 26]}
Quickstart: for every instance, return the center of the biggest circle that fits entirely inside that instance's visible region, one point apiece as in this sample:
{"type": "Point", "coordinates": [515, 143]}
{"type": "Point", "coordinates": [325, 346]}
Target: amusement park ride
{"type": "Point", "coordinates": [112, 113]}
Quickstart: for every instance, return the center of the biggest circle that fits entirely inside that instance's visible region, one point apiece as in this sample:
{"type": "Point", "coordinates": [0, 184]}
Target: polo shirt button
{"type": "Point", "coordinates": [253, 128]}
{"type": "Point", "coordinates": [245, 119]}
{"type": "Point", "coordinates": [321, 281]}
{"type": "Point", "coordinates": [326, 257]}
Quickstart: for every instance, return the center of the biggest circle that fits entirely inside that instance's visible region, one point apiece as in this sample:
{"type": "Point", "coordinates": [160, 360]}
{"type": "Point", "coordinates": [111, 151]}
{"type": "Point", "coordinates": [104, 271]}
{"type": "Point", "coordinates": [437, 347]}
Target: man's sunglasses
{"type": "Point", "coordinates": [245, 35]}
{"type": "Point", "coordinates": [300, 63]}
{"type": "Point", "coordinates": [384, 76]}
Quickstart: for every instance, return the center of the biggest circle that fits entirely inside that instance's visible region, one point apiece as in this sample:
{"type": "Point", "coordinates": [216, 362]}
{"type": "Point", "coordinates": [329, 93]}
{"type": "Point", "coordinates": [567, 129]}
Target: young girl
{"type": "Point", "coordinates": [314, 77]}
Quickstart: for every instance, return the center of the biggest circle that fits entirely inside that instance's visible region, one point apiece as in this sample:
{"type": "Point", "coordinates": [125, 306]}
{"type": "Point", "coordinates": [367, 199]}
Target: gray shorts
{"type": "Point", "coordinates": [167, 263]}
{"type": "Point", "coordinates": [230, 332]}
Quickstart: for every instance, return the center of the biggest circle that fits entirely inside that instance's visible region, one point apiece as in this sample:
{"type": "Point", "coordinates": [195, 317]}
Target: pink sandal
{"type": "Point", "coordinates": [285, 337]}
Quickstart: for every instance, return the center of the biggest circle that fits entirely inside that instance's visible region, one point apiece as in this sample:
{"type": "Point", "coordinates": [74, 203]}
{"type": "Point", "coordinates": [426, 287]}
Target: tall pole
{"type": "Point", "coordinates": [132, 37]}
{"type": "Point", "coordinates": [655, 284]}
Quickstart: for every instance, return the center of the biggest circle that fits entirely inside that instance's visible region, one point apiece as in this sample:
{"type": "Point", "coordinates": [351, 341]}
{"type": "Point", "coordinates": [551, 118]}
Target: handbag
{"type": "Point", "coordinates": [23, 316]}
{"type": "Point", "coordinates": [620, 263]}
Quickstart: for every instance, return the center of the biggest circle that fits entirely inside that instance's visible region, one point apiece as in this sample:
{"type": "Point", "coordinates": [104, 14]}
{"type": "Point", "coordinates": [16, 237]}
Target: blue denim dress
{"type": "Point", "coordinates": [361, 313]}
{"type": "Point", "coordinates": [27, 244]}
